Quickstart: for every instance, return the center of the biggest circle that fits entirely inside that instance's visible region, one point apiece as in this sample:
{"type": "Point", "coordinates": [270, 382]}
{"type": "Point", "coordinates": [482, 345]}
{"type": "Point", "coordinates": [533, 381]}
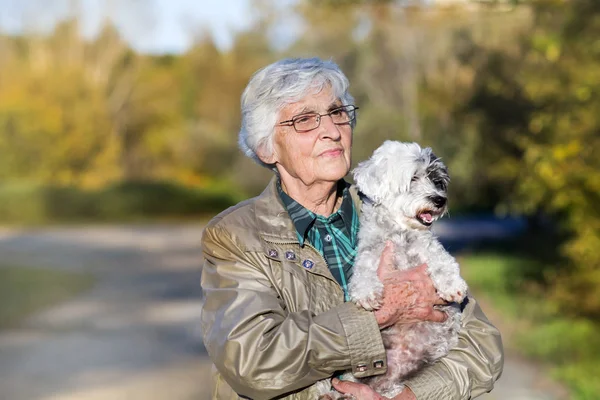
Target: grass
{"type": "Point", "coordinates": [570, 347]}
{"type": "Point", "coordinates": [23, 291]}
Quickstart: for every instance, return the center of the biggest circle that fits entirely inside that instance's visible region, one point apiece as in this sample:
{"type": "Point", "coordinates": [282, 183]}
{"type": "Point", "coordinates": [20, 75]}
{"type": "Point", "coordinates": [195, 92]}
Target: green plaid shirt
{"type": "Point", "coordinates": [335, 237]}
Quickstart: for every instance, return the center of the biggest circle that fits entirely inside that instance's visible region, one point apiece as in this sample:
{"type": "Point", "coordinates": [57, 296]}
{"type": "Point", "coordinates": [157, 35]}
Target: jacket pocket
{"type": "Point", "coordinates": [292, 284]}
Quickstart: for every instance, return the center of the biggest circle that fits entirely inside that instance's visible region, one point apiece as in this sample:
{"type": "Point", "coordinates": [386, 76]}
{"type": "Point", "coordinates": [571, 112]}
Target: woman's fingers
{"type": "Point", "coordinates": [408, 295]}
{"type": "Point", "coordinates": [438, 316]}
{"type": "Point", "coordinates": [386, 261]}
{"type": "Point", "coordinates": [346, 387]}
{"type": "Point", "coordinates": [440, 302]}
{"type": "Point", "coordinates": [358, 390]}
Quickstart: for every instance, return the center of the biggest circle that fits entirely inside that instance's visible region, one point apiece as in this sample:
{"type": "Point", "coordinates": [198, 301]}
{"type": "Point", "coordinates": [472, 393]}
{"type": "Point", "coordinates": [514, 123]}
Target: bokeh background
{"type": "Point", "coordinates": [118, 129]}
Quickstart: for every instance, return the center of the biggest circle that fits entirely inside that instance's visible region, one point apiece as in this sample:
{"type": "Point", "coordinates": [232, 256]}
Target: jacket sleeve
{"type": "Point", "coordinates": [471, 368]}
{"type": "Point", "coordinates": [262, 349]}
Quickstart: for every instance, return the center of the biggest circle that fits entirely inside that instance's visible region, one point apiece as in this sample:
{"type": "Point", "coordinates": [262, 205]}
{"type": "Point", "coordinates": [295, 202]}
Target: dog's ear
{"type": "Point", "coordinates": [367, 179]}
{"type": "Point", "coordinates": [405, 161]}
{"type": "Point", "coordinates": [389, 171]}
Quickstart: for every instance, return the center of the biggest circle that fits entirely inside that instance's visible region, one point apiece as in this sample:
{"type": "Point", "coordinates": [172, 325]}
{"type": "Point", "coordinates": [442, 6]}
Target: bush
{"type": "Point", "coordinates": [21, 203]}
{"type": "Point", "coordinates": [571, 346]}
{"type": "Point", "coordinates": [159, 199]}
{"type": "Point", "coordinates": [125, 201]}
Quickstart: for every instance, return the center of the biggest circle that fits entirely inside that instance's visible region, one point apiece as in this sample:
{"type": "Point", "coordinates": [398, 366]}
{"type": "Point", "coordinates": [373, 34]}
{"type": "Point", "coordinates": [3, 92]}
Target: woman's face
{"type": "Point", "coordinates": [318, 156]}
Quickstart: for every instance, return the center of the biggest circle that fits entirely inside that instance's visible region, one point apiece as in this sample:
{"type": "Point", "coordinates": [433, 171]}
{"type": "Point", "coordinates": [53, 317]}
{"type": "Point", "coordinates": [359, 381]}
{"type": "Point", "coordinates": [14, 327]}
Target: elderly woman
{"type": "Point", "coordinates": [275, 267]}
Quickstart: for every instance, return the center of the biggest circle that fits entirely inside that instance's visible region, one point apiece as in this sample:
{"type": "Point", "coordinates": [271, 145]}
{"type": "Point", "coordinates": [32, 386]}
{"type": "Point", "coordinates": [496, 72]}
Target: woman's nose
{"type": "Point", "coordinates": [329, 129]}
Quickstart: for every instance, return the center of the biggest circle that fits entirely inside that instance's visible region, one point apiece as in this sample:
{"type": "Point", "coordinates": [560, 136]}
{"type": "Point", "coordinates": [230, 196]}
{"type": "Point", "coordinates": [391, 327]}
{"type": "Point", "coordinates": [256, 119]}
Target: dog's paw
{"type": "Point", "coordinates": [457, 297]}
{"type": "Point", "coordinates": [367, 293]}
{"type": "Point", "coordinates": [456, 292]}
{"type": "Point", "coordinates": [371, 302]}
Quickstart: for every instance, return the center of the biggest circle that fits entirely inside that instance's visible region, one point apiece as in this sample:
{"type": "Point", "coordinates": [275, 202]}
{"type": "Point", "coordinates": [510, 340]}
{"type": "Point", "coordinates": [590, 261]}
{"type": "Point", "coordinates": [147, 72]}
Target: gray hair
{"type": "Point", "coordinates": [276, 85]}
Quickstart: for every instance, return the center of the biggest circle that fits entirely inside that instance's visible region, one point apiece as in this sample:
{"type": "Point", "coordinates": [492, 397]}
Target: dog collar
{"type": "Point", "coordinates": [365, 199]}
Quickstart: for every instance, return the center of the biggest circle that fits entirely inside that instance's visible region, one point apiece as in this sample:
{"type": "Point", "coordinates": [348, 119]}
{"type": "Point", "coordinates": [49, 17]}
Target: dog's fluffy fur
{"type": "Point", "coordinates": [405, 191]}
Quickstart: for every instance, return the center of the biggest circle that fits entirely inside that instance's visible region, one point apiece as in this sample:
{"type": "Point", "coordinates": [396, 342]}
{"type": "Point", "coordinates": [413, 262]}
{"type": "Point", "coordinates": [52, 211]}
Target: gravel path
{"type": "Point", "coordinates": [136, 334]}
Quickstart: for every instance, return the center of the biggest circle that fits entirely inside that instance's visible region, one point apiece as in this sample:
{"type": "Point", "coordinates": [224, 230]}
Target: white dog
{"type": "Point", "coordinates": [404, 191]}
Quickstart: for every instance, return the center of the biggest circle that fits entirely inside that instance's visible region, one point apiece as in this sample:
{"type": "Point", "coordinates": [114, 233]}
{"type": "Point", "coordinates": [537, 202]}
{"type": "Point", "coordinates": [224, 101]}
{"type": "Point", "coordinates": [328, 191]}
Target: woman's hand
{"type": "Point", "coordinates": [364, 392]}
{"type": "Point", "coordinates": [408, 296]}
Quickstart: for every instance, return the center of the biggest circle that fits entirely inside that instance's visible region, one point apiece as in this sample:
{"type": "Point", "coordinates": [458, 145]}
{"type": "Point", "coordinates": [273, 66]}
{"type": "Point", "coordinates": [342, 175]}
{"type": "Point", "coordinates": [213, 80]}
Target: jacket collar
{"type": "Point", "coordinates": [273, 221]}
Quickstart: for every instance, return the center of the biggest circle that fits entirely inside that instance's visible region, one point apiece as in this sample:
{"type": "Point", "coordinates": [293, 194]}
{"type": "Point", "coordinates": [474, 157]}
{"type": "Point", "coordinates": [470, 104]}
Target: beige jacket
{"type": "Point", "coordinates": [274, 319]}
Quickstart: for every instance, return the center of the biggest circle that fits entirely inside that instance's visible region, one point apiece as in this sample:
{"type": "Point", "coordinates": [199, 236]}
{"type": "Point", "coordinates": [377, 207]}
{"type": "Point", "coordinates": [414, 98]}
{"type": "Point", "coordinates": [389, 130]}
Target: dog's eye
{"type": "Point", "coordinates": [439, 184]}
{"type": "Point", "coordinates": [414, 179]}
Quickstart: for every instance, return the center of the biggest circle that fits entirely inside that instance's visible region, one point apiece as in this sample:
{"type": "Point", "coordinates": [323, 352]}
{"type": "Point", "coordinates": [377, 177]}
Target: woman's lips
{"type": "Point", "coordinates": [332, 152]}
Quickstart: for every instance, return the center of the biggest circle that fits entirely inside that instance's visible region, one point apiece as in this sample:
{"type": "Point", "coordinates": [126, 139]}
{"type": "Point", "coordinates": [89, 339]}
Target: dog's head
{"type": "Point", "coordinates": [409, 181]}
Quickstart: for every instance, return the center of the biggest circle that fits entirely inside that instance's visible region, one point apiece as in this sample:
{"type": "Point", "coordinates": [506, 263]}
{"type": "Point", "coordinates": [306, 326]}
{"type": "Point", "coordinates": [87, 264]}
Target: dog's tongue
{"type": "Point", "coordinates": [427, 217]}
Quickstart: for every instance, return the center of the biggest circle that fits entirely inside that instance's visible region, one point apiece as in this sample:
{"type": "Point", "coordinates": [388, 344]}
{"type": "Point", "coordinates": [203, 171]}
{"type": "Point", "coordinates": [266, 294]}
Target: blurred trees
{"type": "Point", "coordinates": [537, 108]}
{"type": "Point", "coordinates": [77, 112]}
{"type": "Point", "coordinates": [90, 113]}
{"type": "Point", "coordinates": [507, 95]}
{"type": "Point", "coordinates": [105, 113]}
{"type": "Point", "coordinates": [407, 71]}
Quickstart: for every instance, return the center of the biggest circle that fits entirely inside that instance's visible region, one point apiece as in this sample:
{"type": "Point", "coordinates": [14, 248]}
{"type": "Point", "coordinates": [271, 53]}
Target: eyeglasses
{"type": "Point", "coordinates": [309, 121]}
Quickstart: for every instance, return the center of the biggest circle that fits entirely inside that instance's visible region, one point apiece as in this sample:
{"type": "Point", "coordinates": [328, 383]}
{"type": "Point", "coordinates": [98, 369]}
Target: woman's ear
{"type": "Point", "coordinates": [266, 156]}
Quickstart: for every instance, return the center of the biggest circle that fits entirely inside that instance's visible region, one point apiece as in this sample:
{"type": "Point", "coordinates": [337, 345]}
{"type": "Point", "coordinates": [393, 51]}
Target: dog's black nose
{"type": "Point", "coordinates": [438, 201]}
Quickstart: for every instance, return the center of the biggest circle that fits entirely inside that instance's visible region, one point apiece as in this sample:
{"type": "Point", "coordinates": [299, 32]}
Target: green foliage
{"type": "Point", "coordinates": [537, 108]}
{"type": "Point", "coordinates": [582, 378]}
{"type": "Point", "coordinates": [23, 291]}
{"type": "Point", "coordinates": [559, 340]}
{"type": "Point", "coordinates": [502, 278]}
{"type": "Point", "coordinates": [571, 346]}
{"type": "Point", "coordinates": [161, 199]}
{"type": "Point", "coordinates": [131, 201]}
{"type": "Point", "coordinates": [91, 113]}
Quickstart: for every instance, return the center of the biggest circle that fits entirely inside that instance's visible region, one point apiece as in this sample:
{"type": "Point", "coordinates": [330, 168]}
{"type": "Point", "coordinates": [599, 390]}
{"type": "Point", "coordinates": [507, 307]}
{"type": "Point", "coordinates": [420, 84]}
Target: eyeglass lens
{"type": "Point", "coordinates": [339, 116]}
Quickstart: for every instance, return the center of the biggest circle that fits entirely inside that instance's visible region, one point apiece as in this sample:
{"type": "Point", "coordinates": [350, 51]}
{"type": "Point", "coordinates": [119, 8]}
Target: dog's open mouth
{"type": "Point", "coordinates": [426, 217]}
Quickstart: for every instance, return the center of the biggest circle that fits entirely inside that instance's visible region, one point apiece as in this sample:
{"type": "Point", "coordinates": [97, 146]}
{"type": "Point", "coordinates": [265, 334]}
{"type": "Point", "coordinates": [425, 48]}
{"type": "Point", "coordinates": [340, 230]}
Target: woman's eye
{"type": "Point", "coordinates": [302, 120]}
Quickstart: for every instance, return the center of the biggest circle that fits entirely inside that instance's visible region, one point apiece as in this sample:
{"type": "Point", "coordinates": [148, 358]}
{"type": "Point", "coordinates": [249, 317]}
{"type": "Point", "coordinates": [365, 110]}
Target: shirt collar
{"type": "Point", "coordinates": [304, 219]}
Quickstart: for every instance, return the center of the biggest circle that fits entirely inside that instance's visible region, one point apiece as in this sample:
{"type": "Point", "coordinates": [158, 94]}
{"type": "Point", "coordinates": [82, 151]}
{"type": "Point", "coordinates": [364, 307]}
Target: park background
{"type": "Point", "coordinates": [98, 127]}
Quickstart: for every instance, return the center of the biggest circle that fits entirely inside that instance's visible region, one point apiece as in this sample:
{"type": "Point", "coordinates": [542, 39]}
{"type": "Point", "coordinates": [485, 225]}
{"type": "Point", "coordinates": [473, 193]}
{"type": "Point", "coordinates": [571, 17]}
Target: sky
{"type": "Point", "coordinates": [155, 26]}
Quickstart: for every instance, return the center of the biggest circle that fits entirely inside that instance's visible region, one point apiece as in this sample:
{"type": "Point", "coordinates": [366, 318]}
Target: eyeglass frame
{"type": "Point", "coordinates": [292, 122]}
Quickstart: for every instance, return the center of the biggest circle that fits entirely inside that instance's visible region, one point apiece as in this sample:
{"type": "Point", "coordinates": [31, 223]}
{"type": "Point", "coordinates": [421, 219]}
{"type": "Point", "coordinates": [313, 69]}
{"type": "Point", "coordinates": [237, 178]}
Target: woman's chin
{"type": "Point", "coordinates": [332, 175]}
{"type": "Point", "coordinates": [334, 169]}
